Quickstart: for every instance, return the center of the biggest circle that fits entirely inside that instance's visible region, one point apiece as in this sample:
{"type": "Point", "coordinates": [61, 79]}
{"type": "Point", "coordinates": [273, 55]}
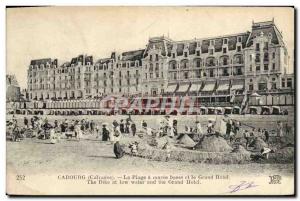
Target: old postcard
{"type": "Point", "coordinates": [150, 101]}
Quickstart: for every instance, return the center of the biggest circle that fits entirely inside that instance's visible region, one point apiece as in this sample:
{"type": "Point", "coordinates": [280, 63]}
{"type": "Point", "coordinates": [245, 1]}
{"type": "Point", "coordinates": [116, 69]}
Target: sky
{"type": "Point", "coordinates": [66, 32]}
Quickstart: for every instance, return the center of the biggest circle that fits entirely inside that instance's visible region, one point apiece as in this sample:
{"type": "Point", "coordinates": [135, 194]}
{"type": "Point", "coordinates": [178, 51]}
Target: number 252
{"type": "Point", "coordinates": [20, 177]}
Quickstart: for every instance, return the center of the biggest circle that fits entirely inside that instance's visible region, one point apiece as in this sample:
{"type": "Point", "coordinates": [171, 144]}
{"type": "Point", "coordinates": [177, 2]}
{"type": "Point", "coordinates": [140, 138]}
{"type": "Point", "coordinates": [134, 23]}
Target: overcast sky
{"type": "Point", "coordinates": [66, 32]}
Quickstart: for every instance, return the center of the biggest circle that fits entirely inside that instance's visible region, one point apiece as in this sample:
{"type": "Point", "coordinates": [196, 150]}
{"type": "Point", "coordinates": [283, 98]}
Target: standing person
{"type": "Point", "coordinates": [209, 127]}
{"type": "Point", "coordinates": [53, 139]}
{"type": "Point", "coordinates": [199, 131]}
{"type": "Point", "coordinates": [127, 125]}
{"type": "Point", "coordinates": [119, 152]}
{"type": "Point", "coordinates": [133, 128]}
{"type": "Point", "coordinates": [26, 122]}
{"type": "Point", "coordinates": [105, 132]}
{"type": "Point", "coordinates": [92, 126]}
{"type": "Point", "coordinates": [228, 128]}
{"type": "Point", "coordinates": [280, 130]}
{"type": "Point", "coordinates": [247, 137]}
{"type": "Point", "coordinates": [55, 123]}
{"type": "Point", "coordinates": [167, 147]}
{"type": "Point", "coordinates": [32, 122]}
{"type": "Point", "coordinates": [266, 135]}
{"type": "Point", "coordinates": [121, 126]}
{"type": "Point", "coordinates": [175, 127]}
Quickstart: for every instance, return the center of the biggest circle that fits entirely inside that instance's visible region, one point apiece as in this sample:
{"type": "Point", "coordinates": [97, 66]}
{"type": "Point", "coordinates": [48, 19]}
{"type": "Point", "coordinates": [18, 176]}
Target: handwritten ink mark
{"type": "Point", "coordinates": [242, 186]}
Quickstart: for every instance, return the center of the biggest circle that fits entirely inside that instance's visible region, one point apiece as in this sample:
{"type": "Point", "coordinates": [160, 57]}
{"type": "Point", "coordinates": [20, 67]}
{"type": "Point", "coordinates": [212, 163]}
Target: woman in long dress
{"type": "Point", "coordinates": [119, 152]}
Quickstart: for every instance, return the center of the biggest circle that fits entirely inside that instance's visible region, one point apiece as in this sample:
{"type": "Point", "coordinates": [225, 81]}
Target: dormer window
{"type": "Point", "coordinates": [238, 48]}
{"type": "Point", "coordinates": [211, 51]}
{"type": "Point", "coordinates": [150, 57]}
{"type": "Point", "coordinates": [198, 52]}
{"type": "Point", "coordinates": [72, 65]}
{"type": "Point", "coordinates": [156, 57]}
{"type": "Point", "coordinates": [224, 50]}
{"type": "Point", "coordinates": [88, 63]}
{"type": "Point", "coordinates": [212, 42]}
{"type": "Point", "coordinates": [239, 39]}
{"type": "Point", "coordinates": [185, 54]}
{"type": "Point", "coordinates": [173, 55]}
{"type": "Point", "coordinates": [225, 41]}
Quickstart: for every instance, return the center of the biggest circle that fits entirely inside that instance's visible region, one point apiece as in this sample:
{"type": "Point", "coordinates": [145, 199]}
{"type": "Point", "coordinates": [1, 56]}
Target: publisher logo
{"type": "Point", "coordinates": [275, 179]}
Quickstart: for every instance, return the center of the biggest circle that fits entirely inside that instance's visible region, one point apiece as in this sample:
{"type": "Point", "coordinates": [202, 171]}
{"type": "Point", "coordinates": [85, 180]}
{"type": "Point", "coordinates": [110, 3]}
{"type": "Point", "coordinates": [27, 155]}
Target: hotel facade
{"type": "Point", "coordinates": [220, 71]}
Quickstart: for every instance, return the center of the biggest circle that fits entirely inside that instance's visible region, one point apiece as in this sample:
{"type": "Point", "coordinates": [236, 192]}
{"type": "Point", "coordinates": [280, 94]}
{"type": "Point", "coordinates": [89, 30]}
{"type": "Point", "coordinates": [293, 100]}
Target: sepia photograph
{"type": "Point", "coordinates": [150, 101]}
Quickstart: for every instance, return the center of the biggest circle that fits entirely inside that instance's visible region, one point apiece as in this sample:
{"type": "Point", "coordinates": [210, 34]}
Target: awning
{"type": "Point", "coordinates": [171, 88]}
{"type": "Point", "coordinates": [209, 87]}
{"type": "Point", "coordinates": [211, 108]}
{"type": "Point", "coordinates": [236, 107]}
{"type": "Point", "coordinates": [276, 107]}
{"type": "Point", "coordinates": [183, 87]}
{"type": "Point", "coordinates": [195, 88]}
{"type": "Point", "coordinates": [223, 87]}
{"type": "Point", "coordinates": [237, 87]}
{"type": "Point", "coordinates": [228, 108]}
{"type": "Point", "coordinates": [219, 108]}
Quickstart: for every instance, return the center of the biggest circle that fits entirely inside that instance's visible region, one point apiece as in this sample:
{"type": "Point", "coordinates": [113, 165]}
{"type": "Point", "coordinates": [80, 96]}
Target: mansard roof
{"type": "Point", "coordinates": [133, 55]}
{"type": "Point", "coordinates": [267, 27]}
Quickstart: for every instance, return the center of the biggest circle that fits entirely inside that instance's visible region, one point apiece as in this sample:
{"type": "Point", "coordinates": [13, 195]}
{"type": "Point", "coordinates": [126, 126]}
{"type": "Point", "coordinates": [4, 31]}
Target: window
{"type": "Point", "coordinates": [162, 74]}
{"type": "Point", "coordinates": [146, 75]}
{"type": "Point", "coordinates": [224, 50]}
{"type": "Point", "coordinates": [266, 56]}
{"type": "Point", "coordinates": [262, 86]}
{"type": "Point", "coordinates": [250, 68]}
{"type": "Point", "coordinates": [225, 72]}
{"type": "Point", "coordinates": [257, 68]}
{"type": "Point", "coordinates": [151, 75]}
{"type": "Point", "coordinates": [225, 41]}
{"type": "Point", "coordinates": [156, 57]}
{"type": "Point", "coordinates": [289, 82]}
{"type": "Point", "coordinates": [185, 54]}
{"type": "Point", "coordinates": [175, 76]}
{"type": "Point", "coordinates": [239, 39]}
{"type": "Point", "coordinates": [250, 87]}
{"type": "Point", "coordinates": [250, 57]}
{"type": "Point", "coordinates": [273, 66]}
{"type": "Point", "coordinates": [225, 61]}
{"type": "Point", "coordinates": [150, 57]}
{"type": "Point", "coordinates": [198, 63]}
{"type": "Point", "coordinates": [212, 42]}
{"type": "Point", "coordinates": [239, 71]}
{"type": "Point", "coordinates": [157, 75]}
{"type": "Point", "coordinates": [257, 46]}
{"type": "Point", "coordinates": [273, 86]}
{"type": "Point", "coordinates": [283, 82]}
{"type": "Point", "coordinates": [211, 73]}
{"type": "Point", "coordinates": [273, 55]}
{"type": "Point", "coordinates": [198, 52]}
{"type": "Point", "coordinates": [266, 67]}
{"type": "Point", "coordinates": [239, 48]}
{"type": "Point", "coordinates": [173, 55]}
{"type": "Point", "coordinates": [211, 51]}
{"type": "Point", "coordinates": [186, 75]}
{"type": "Point", "coordinates": [257, 58]}
{"type": "Point", "coordinates": [266, 46]}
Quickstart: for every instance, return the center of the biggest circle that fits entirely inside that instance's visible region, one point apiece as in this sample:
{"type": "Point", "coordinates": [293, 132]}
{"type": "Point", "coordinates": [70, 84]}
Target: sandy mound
{"type": "Point", "coordinates": [241, 149]}
{"type": "Point", "coordinates": [258, 144]}
{"type": "Point", "coordinates": [213, 144]}
{"type": "Point", "coordinates": [186, 140]}
{"type": "Point", "coordinates": [286, 151]}
{"type": "Point", "coordinates": [160, 142]}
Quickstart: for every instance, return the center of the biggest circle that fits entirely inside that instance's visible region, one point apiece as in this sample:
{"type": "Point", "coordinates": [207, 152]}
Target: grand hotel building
{"type": "Point", "coordinates": [217, 70]}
